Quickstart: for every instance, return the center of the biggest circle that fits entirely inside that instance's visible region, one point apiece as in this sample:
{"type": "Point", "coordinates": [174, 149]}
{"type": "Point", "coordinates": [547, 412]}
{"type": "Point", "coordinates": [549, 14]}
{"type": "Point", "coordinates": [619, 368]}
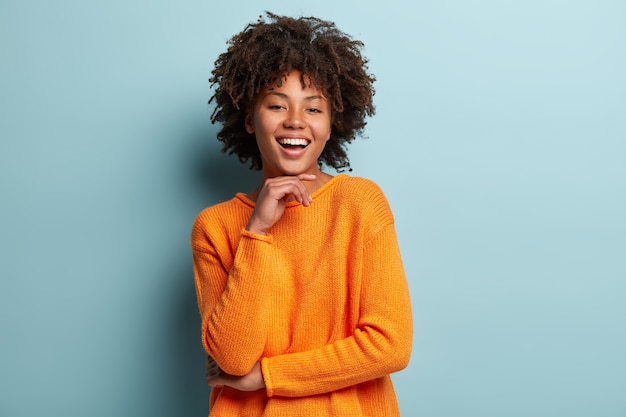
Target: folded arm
{"type": "Point", "coordinates": [380, 345]}
{"type": "Point", "coordinates": [234, 327]}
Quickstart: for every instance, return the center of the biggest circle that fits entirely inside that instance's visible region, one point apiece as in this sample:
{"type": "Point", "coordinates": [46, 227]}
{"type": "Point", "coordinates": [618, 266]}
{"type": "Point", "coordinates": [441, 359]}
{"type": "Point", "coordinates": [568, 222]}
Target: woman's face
{"type": "Point", "coordinates": [292, 125]}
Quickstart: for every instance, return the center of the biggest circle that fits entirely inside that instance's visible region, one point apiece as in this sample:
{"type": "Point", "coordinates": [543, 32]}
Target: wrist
{"type": "Point", "coordinates": [253, 227]}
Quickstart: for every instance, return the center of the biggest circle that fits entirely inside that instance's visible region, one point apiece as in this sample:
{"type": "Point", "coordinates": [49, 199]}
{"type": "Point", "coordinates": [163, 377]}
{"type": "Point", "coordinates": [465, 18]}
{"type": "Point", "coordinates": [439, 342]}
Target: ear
{"type": "Point", "coordinates": [248, 123]}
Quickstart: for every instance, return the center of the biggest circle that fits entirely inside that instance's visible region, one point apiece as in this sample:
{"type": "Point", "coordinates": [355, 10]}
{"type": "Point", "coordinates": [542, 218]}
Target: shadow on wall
{"type": "Point", "coordinates": [210, 177]}
{"type": "Point", "coordinates": [217, 175]}
{"type": "Point", "coordinates": [187, 387]}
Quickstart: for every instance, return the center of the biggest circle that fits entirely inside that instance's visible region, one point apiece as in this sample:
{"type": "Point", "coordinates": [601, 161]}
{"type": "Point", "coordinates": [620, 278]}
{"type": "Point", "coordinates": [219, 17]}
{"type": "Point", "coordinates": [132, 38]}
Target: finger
{"type": "Point", "coordinates": [212, 371]}
{"type": "Point", "coordinates": [301, 193]}
{"type": "Point", "coordinates": [217, 381]}
{"type": "Point", "coordinates": [282, 187]}
{"type": "Point", "coordinates": [210, 363]}
{"type": "Point", "coordinates": [213, 375]}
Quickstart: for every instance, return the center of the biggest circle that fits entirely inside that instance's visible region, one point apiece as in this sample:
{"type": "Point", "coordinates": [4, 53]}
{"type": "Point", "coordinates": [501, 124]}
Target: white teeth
{"type": "Point", "coordinates": [293, 141]}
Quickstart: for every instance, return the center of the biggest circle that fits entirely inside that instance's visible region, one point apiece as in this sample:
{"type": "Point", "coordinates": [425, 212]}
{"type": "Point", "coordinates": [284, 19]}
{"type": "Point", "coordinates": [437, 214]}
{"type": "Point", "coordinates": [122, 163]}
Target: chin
{"type": "Point", "coordinates": [292, 171]}
{"type": "Point", "coordinates": [290, 168]}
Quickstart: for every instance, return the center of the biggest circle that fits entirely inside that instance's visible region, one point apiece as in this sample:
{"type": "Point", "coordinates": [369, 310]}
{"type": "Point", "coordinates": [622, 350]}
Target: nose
{"type": "Point", "coordinates": [294, 119]}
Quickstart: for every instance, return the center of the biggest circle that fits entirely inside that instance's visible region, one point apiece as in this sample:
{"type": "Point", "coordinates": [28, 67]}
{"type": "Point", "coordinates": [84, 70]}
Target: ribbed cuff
{"type": "Point", "coordinates": [269, 389]}
{"type": "Point", "coordinates": [264, 238]}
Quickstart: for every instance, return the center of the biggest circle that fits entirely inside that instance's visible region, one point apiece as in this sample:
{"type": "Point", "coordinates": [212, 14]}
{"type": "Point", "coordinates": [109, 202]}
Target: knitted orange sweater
{"type": "Point", "coordinates": [322, 301]}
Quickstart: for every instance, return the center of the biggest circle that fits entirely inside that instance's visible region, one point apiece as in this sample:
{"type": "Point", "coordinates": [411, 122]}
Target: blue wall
{"type": "Point", "coordinates": [500, 141]}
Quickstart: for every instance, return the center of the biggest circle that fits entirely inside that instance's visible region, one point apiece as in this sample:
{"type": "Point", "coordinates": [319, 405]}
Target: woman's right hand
{"type": "Point", "coordinates": [272, 198]}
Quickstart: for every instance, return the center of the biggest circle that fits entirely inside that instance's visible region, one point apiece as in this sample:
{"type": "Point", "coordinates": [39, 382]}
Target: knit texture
{"type": "Point", "coordinates": [322, 301]}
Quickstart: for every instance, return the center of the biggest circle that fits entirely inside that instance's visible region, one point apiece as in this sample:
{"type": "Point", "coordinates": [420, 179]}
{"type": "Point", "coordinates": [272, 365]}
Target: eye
{"type": "Point", "coordinates": [275, 107]}
{"type": "Point", "coordinates": [314, 110]}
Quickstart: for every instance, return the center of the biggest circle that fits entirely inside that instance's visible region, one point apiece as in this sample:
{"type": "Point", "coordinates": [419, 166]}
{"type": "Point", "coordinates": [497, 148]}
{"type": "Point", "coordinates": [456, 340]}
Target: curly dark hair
{"type": "Point", "coordinates": [264, 52]}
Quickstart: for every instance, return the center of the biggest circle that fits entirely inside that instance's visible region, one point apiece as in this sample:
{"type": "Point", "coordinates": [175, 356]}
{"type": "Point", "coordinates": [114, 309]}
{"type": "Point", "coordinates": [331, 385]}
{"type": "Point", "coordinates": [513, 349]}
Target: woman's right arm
{"type": "Point", "coordinates": [234, 323]}
{"type": "Point", "coordinates": [231, 301]}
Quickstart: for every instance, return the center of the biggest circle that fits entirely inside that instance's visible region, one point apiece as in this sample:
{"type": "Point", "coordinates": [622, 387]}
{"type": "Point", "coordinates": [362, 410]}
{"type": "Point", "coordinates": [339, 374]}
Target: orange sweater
{"type": "Point", "coordinates": [322, 301]}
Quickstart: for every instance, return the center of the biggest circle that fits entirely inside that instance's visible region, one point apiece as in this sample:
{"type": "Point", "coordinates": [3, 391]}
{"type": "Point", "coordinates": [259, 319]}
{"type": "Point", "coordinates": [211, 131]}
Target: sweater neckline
{"type": "Point", "coordinates": [330, 183]}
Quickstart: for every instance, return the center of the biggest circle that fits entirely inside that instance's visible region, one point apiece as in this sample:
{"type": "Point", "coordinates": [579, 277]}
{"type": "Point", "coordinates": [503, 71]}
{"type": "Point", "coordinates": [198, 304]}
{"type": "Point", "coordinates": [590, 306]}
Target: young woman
{"type": "Point", "coordinates": [304, 302]}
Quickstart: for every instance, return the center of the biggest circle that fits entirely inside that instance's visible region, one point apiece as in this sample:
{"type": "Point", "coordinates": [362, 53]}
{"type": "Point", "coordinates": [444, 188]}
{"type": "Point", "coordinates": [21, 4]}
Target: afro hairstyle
{"type": "Point", "coordinates": [263, 53]}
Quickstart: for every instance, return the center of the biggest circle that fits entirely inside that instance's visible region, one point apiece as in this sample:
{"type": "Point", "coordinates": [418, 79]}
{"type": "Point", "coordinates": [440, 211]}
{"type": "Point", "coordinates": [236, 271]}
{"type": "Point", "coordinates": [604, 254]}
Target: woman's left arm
{"type": "Point", "coordinates": [381, 344]}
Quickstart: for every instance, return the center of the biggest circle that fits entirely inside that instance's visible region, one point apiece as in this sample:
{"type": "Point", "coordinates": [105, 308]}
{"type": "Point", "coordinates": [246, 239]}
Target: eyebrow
{"type": "Point", "coordinates": [285, 96]}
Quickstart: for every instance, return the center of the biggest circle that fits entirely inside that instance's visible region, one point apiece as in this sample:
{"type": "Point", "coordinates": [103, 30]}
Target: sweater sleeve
{"type": "Point", "coordinates": [231, 300]}
{"type": "Point", "coordinates": [380, 345]}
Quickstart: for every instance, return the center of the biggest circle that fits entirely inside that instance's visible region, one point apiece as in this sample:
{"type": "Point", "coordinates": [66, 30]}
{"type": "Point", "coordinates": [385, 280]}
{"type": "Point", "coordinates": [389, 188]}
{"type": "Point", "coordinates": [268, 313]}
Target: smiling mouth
{"type": "Point", "coordinates": [293, 143]}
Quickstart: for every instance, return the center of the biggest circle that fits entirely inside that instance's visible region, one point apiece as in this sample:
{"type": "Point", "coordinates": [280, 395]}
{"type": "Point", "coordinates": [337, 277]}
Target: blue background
{"type": "Point", "coordinates": [499, 139]}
